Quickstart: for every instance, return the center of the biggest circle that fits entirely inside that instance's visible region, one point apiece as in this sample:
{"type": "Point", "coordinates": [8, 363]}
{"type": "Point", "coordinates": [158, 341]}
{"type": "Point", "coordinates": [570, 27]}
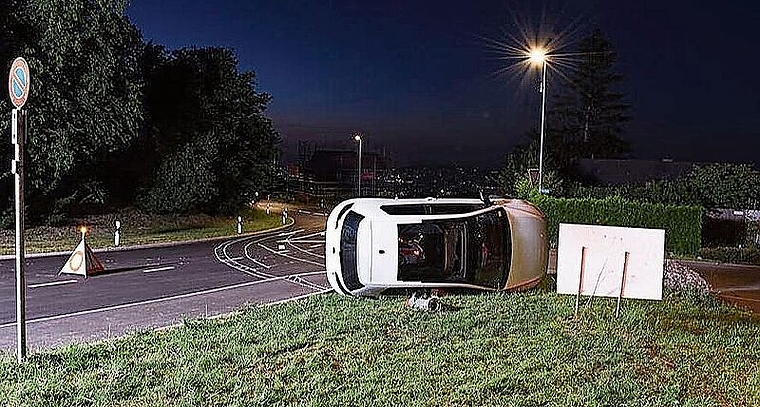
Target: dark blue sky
{"type": "Point", "coordinates": [417, 77]}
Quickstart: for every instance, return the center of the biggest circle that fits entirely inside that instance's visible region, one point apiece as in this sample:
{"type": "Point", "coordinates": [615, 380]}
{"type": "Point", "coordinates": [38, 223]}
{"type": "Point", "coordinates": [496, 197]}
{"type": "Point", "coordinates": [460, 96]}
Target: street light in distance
{"type": "Point", "coordinates": [358, 138]}
{"type": "Point", "coordinates": [538, 57]}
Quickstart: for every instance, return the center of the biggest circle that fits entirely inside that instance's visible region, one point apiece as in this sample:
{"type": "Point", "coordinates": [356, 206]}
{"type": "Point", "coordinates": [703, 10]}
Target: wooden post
{"type": "Point", "coordinates": [622, 284]}
{"type": "Point", "coordinates": [580, 280]}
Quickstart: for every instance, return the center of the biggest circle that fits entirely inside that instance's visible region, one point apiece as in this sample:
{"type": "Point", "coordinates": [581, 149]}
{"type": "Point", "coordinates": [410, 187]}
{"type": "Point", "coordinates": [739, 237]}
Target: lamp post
{"type": "Point", "coordinates": [358, 138]}
{"type": "Point", "coordinates": [538, 56]}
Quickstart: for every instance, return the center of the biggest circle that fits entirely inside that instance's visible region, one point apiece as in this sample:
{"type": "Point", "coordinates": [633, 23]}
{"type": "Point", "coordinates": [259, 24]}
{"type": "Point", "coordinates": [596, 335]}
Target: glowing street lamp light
{"type": "Point", "coordinates": [538, 57]}
{"type": "Point", "coordinates": [358, 138]}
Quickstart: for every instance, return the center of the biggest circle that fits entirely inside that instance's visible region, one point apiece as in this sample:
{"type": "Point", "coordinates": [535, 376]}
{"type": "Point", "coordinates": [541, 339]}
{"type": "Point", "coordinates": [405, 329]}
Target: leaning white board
{"type": "Point", "coordinates": [604, 259]}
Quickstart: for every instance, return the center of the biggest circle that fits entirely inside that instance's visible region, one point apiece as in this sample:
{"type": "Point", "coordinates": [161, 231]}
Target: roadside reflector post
{"type": "Point", "coordinates": [117, 234]}
{"type": "Point", "coordinates": [580, 280]}
{"type": "Point", "coordinates": [239, 224]}
{"type": "Point", "coordinates": [267, 208]}
{"type": "Point", "coordinates": [622, 284]}
{"type": "Point", "coordinates": [284, 215]}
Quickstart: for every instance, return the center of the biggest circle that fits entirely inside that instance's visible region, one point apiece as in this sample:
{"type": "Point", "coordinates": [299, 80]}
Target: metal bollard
{"type": "Point", "coordinates": [117, 234]}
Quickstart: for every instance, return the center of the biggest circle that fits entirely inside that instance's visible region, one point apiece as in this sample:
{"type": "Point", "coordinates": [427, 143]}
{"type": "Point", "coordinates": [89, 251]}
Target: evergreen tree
{"type": "Point", "coordinates": [587, 114]}
{"type": "Point", "coordinates": [585, 119]}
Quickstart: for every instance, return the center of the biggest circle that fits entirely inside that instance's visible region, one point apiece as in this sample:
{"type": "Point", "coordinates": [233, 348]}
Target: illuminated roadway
{"type": "Point", "coordinates": [155, 287]}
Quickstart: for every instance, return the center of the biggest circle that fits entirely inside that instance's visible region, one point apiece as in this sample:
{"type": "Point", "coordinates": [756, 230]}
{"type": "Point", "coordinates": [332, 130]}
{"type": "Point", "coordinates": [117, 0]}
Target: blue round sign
{"type": "Point", "coordinates": [18, 82]}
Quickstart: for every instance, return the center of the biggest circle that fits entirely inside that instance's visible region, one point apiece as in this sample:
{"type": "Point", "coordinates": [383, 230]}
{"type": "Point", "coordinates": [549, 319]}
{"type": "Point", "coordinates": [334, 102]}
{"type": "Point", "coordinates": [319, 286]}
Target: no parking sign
{"type": "Point", "coordinates": [18, 82]}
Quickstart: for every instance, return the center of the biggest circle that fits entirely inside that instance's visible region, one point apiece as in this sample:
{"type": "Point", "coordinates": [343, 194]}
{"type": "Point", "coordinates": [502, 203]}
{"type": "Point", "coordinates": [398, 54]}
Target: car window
{"type": "Point", "coordinates": [489, 249]}
{"type": "Point", "coordinates": [474, 250]}
{"type": "Point", "coordinates": [422, 250]}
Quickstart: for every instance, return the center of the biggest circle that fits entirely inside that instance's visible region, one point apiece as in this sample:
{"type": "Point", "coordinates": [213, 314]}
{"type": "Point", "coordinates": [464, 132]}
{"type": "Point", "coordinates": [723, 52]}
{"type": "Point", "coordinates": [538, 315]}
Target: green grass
{"type": "Point", "coordinates": [497, 349]}
{"type": "Point", "coordinates": [136, 228]}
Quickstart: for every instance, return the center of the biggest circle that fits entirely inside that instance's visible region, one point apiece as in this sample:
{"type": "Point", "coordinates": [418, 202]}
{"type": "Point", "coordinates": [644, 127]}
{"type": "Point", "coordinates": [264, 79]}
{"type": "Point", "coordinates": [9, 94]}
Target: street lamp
{"type": "Point", "coordinates": [538, 57]}
{"type": "Point", "coordinates": [358, 138]}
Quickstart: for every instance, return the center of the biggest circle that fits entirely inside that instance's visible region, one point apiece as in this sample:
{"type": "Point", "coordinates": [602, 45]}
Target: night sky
{"type": "Point", "coordinates": [419, 78]}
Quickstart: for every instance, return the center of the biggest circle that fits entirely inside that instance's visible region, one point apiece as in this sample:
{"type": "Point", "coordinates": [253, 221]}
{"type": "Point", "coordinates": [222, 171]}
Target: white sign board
{"type": "Point", "coordinates": [592, 259]}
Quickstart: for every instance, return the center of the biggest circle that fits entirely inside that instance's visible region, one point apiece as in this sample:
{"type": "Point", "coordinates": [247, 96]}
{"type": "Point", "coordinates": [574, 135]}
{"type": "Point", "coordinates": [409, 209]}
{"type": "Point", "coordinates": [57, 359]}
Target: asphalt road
{"type": "Point", "coordinates": [737, 284]}
{"type": "Point", "coordinates": [157, 287]}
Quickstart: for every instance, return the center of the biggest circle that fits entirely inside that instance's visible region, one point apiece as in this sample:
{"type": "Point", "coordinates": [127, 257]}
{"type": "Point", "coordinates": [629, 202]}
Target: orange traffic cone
{"type": "Point", "coordinates": [82, 261]}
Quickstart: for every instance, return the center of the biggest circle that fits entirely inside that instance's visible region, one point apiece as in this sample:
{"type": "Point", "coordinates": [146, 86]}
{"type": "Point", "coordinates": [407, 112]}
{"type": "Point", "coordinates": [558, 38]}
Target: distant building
{"type": "Point", "coordinates": [330, 175]}
{"type": "Point", "coordinates": [619, 172]}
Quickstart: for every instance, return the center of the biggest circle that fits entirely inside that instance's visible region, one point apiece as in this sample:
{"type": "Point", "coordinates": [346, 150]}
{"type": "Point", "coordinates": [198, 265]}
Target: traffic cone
{"type": "Point", "coordinates": [82, 261]}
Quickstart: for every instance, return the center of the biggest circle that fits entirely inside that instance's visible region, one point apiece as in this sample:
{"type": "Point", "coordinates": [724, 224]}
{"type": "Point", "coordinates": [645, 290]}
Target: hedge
{"type": "Point", "coordinates": [682, 224]}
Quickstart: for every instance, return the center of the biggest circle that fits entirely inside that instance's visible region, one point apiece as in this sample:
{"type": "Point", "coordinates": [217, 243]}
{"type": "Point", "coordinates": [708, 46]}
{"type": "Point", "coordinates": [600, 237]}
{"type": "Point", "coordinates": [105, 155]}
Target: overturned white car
{"type": "Point", "coordinates": [374, 244]}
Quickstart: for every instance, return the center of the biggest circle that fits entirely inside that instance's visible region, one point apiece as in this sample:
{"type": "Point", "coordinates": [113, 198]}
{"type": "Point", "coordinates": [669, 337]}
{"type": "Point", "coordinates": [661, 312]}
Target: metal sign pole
{"type": "Point", "coordinates": [19, 83]}
{"type": "Point", "coordinates": [18, 134]}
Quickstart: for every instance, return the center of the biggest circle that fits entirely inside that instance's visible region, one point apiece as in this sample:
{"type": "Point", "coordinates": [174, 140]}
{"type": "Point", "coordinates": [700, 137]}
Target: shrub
{"type": "Point", "coordinates": [682, 224]}
{"type": "Point", "coordinates": [711, 186]}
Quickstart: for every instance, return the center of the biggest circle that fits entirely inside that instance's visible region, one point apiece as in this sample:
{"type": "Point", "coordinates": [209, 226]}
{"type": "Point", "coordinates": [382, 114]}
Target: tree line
{"type": "Point", "coordinates": [118, 121]}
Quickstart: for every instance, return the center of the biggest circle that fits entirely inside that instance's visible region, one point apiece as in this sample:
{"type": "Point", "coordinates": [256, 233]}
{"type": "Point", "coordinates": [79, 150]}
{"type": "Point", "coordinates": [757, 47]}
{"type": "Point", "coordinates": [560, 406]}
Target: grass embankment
{"type": "Point", "coordinates": [136, 228]}
{"type": "Point", "coordinates": [497, 349]}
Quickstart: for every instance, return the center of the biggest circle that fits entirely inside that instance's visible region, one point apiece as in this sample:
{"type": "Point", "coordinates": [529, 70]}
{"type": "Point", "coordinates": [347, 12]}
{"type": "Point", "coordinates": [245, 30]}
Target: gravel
{"type": "Point", "coordinates": [679, 277]}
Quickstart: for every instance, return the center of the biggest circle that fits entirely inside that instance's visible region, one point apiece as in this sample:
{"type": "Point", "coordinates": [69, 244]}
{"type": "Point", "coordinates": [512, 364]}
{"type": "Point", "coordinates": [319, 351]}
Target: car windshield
{"type": "Point", "coordinates": [348, 250]}
{"type": "Point", "coordinates": [474, 250]}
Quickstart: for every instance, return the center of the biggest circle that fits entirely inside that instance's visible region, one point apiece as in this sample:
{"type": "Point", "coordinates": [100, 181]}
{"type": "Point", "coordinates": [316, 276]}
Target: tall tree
{"type": "Point", "coordinates": [85, 102]}
{"type": "Point", "coordinates": [588, 113]}
{"type": "Point", "coordinates": [208, 146]}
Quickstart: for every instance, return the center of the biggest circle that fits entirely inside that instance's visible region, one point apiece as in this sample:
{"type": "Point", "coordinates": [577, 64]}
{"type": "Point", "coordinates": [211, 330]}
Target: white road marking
{"type": "Point", "coordinates": [52, 283]}
{"type": "Point", "coordinates": [291, 233]}
{"type": "Point", "coordinates": [221, 254]}
{"type": "Point", "coordinates": [156, 300]}
{"type": "Point", "coordinates": [291, 257]}
{"type": "Point", "coordinates": [309, 235]}
{"type": "Point", "coordinates": [317, 245]}
{"type": "Point", "coordinates": [159, 269]}
{"type": "Point", "coordinates": [299, 280]}
{"type": "Point", "coordinates": [250, 256]}
{"type": "Point", "coordinates": [306, 251]}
